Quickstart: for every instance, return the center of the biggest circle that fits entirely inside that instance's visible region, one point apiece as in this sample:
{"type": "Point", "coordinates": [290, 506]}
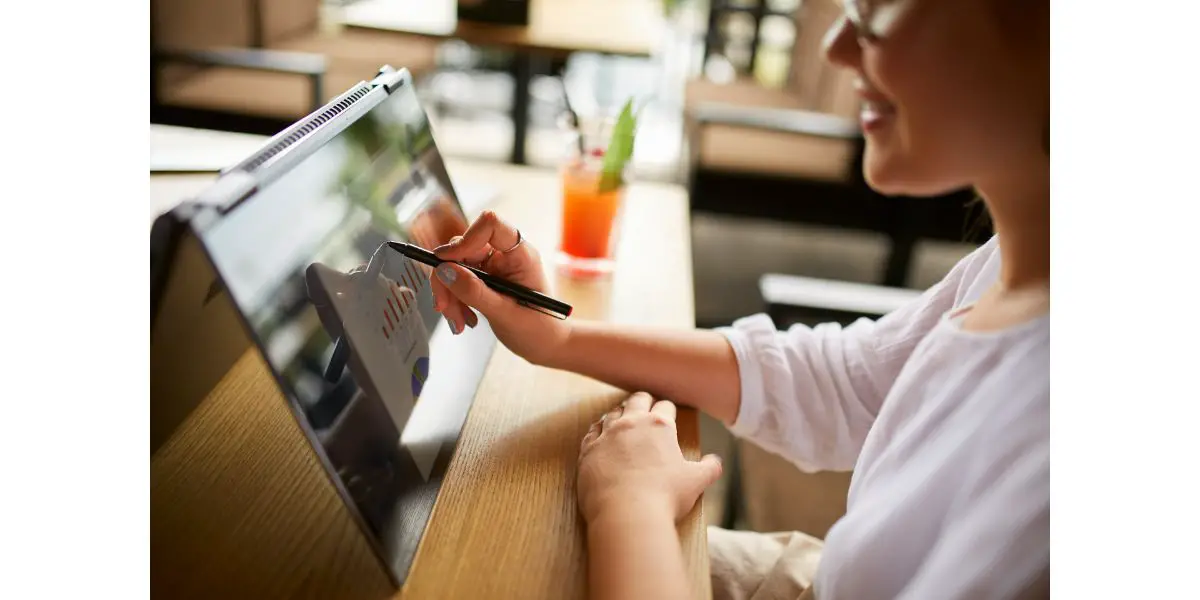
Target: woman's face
{"type": "Point", "coordinates": [954, 91]}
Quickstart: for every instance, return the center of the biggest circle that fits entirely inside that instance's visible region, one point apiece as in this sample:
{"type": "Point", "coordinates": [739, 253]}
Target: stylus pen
{"type": "Point", "coordinates": [520, 293]}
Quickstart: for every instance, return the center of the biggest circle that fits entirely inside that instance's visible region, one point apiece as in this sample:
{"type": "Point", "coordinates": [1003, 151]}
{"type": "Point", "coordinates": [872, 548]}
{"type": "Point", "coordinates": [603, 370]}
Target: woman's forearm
{"type": "Point", "coordinates": [697, 368]}
{"type": "Point", "coordinates": [635, 554]}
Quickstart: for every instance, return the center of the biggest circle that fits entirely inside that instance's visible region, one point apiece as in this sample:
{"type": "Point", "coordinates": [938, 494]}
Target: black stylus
{"type": "Point", "coordinates": [518, 292]}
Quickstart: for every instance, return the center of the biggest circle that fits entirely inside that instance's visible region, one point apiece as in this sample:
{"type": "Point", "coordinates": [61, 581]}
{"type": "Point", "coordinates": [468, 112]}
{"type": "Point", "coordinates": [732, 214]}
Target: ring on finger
{"type": "Point", "coordinates": [520, 240]}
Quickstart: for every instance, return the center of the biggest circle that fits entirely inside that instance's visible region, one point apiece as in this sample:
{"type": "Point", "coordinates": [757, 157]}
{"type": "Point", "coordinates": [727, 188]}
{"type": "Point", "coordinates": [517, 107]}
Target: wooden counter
{"type": "Point", "coordinates": [506, 524]}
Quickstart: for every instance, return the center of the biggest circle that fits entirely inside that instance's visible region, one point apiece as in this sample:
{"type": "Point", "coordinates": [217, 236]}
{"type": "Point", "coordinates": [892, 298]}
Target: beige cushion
{"type": "Point", "coordinates": [256, 93]}
{"type": "Point", "coordinates": [191, 25]}
{"type": "Point", "coordinates": [350, 56]}
{"type": "Point", "coordinates": [285, 19]}
{"type": "Point", "coordinates": [741, 92]}
{"type": "Point", "coordinates": [758, 151]}
{"type": "Point", "coordinates": [359, 54]}
{"type": "Point", "coordinates": [748, 150]}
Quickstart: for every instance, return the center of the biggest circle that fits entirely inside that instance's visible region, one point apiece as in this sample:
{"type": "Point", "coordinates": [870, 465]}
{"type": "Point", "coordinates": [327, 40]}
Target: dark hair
{"type": "Point", "coordinates": [977, 223]}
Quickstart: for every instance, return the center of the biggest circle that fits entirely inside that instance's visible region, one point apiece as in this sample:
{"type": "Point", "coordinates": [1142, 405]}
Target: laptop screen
{"type": "Point", "coordinates": [283, 255]}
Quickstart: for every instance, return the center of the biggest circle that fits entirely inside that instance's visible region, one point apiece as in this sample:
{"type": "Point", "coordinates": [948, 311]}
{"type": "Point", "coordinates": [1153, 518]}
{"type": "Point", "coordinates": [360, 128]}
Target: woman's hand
{"type": "Point", "coordinates": [492, 245]}
{"type": "Point", "coordinates": [630, 461]}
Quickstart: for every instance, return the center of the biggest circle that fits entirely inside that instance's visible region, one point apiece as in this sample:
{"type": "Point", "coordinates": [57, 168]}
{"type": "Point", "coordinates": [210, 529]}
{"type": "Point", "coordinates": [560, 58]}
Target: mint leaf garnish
{"type": "Point", "coordinates": [620, 149]}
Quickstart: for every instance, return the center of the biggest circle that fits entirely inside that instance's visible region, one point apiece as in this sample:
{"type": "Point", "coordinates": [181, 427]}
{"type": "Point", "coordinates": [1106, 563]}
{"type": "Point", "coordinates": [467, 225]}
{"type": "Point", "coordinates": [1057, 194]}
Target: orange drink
{"type": "Point", "coordinates": [589, 215]}
{"type": "Point", "coordinates": [590, 212]}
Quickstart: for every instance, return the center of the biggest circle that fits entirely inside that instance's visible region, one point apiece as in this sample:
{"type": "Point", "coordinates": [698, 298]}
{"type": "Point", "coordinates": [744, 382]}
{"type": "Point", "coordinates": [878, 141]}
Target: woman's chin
{"type": "Point", "coordinates": [884, 176]}
{"type": "Point", "coordinates": [890, 176]}
{"type": "Point", "coordinates": [883, 187]}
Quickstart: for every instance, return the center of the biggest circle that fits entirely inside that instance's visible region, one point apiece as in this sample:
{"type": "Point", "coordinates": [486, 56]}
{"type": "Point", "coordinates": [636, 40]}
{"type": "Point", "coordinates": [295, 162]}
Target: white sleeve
{"type": "Point", "coordinates": [810, 394]}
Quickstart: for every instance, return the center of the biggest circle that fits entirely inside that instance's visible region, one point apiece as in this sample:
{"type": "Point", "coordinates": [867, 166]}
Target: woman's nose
{"type": "Point", "coordinates": [841, 45]}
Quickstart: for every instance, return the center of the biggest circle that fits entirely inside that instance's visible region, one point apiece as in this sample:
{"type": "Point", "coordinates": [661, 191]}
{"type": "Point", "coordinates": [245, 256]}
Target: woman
{"type": "Point", "coordinates": [941, 408]}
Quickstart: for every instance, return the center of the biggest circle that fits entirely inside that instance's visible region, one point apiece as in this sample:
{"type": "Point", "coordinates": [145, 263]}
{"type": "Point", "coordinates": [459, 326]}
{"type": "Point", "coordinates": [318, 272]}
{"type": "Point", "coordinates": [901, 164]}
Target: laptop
{"type": "Point", "coordinates": [271, 256]}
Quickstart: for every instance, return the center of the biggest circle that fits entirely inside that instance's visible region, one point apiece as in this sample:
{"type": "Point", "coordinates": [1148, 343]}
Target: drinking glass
{"type": "Point", "coordinates": [590, 217]}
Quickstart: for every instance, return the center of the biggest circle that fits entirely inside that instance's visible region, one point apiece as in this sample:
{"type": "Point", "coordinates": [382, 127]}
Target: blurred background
{"type": "Point", "coordinates": [739, 107]}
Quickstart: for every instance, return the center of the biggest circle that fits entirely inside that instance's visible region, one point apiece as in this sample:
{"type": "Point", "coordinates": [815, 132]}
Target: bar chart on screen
{"type": "Point", "coordinates": [384, 315]}
{"type": "Point", "coordinates": [397, 299]}
{"type": "Point", "coordinates": [402, 321]}
{"type": "Point", "coordinates": [377, 314]}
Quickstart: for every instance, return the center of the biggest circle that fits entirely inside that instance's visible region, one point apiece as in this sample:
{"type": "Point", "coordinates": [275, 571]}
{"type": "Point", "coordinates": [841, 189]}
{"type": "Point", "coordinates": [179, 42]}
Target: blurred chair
{"type": "Point", "coordinates": [259, 65]}
{"type": "Point", "coordinates": [794, 154]}
{"type": "Point", "coordinates": [792, 299]}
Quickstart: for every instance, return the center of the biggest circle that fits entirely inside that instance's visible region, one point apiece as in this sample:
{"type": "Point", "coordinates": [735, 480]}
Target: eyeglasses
{"type": "Point", "coordinates": [859, 13]}
{"type": "Point", "coordinates": [873, 19]}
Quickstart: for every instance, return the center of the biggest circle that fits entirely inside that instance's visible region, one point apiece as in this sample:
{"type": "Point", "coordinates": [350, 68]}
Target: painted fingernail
{"type": "Point", "coordinates": [453, 325]}
{"type": "Point", "coordinates": [446, 274]}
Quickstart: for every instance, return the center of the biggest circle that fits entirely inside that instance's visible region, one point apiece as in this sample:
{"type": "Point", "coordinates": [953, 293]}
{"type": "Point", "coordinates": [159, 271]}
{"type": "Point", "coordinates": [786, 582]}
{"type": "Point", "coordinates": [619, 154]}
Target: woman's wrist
{"type": "Point", "coordinates": [632, 512]}
{"type": "Point", "coordinates": [634, 552]}
{"type": "Point", "coordinates": [557, 355]}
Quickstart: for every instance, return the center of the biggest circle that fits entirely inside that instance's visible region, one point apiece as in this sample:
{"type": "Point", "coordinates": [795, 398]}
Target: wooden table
{"type": "Point", "coordinates": [556, 28]}
{"type": "Point", "coordinates": [505, 524]}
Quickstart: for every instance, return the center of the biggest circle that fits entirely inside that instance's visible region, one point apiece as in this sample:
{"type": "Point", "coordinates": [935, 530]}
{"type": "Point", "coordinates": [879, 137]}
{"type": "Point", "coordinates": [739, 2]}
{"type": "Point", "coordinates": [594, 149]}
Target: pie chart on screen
{"type": "Point", "coordinates": [420, 373]}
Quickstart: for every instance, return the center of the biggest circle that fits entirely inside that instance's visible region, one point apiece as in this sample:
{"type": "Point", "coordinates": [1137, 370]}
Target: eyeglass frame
{"type": "Point", "coordinates": [854, 15]}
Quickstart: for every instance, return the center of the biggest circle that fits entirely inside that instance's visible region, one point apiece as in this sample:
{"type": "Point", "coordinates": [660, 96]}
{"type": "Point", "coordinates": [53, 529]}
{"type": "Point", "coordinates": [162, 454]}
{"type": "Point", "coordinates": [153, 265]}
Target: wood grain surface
{"type": "Point", "coordinates": [624, 27]}
{"type": "Point", "coordinates": [506, 525]}
{"type": "Point", "coordinates": [239, 501]}
{"type": "Point", "coordinates": [241, 508]}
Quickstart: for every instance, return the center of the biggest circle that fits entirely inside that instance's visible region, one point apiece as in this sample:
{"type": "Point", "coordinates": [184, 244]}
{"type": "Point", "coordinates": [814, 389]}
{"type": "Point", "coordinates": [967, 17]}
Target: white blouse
{"type": "Point", "coordinates": [947, 431]}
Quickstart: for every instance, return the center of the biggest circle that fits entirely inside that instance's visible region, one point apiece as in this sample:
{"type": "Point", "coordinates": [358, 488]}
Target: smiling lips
{"type": "Point", "coordinates": [875, 111]}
